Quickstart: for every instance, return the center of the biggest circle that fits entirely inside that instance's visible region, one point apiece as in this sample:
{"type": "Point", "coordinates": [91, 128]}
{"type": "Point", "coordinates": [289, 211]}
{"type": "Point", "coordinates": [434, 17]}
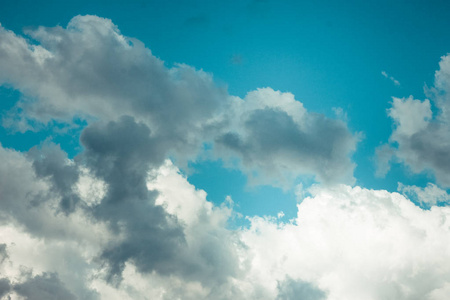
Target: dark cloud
{"type": "Point", "coordinates": [44, 287]}
{"type": "Point", "coordinates": [121, 153]}
{"type": "Point", "coordinates": [428, 149]}
{"type": "Point", "coordinates": [50, 162]}
{"type": "Point", "coordinates": [5, 287]}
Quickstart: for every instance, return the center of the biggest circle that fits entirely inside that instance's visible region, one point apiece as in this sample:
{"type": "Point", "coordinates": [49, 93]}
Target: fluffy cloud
{"type": "Point", "coordinates": [345, 243]}
{"type": "Point", "coordinates": [353, 243]}
{"type": "Point", "coordinates": [421, 140]}
{"type": "Point", "coordinates": [276, 138]}
{"type": "Point", "coordinates": [90, 71]}
{"type": "Point", "coordinates": [119, 221]}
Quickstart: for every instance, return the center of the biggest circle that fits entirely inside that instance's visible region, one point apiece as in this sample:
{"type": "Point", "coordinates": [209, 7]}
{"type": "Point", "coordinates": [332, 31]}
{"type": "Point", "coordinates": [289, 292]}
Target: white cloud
{"type": "Point", "coordinates": [410, 115]}
{"type": "Point", "coordinates": [429, 195]}
{"type": "Point", "coordinates": [354, 243]}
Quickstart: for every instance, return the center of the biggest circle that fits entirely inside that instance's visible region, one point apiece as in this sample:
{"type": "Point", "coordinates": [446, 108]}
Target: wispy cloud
{"type": "Point", "coordinates": [386, 75]}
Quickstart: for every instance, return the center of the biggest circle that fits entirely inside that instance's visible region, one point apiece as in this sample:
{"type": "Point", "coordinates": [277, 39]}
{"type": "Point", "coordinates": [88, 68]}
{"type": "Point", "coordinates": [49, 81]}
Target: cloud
{"type": "Point", "coordinates": [428, 196]}
{"type": "Point", "coordinates": [43, 287]}
{"type": "Point", "coordinates": [5, 287]}
{"type": "Point", "coordinates": [120, 221]}
{"type": "Point", "coordinates": [278, 139]}
{"type": "Point", "coordinates": [386, 75]}
{"type": "Point", "coordinates": [51, 163]}
{"type": "Point", "coordinates": [30, 201]}
{"type": "Point", "coordinates": [420, 139]}
{"type": "Point", "coordinates": [121, 153]}
{"type": "Point", "coordinates": [290, 289]}
{"type": "Point", "coordinates": [345, 243]}
{"type": "Point", "coordinates": [89, 71]}
{"type": "Point", "coordinates": [354, 243]}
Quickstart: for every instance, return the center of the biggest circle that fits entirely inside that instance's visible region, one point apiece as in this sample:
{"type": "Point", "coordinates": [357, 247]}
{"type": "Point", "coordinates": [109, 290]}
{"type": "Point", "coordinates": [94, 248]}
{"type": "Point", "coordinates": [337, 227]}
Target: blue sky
{"type": "Point", "coordinates": [328, 54]}
{"type": "Point", "coordinates": [211, 85]}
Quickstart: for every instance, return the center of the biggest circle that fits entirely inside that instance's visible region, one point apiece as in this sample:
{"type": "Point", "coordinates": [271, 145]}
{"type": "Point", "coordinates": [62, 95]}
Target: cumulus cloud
{"type": "Point", "coordinates": [276, 138]}
{"type": "Point", "coordinates": [353, 243]}
{"type": "Point", "coordinates": [120, 221]}
{"type": "Point", "coordinates": [345, 243]}
{"type": "Point", "coordinates": [90, 71]}
{"type": "Point", "coordinates": [421, 139]}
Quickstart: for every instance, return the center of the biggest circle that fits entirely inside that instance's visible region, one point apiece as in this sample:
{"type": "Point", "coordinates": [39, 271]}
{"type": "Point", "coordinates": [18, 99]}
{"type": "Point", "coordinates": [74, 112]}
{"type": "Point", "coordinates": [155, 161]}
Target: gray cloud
{"type": "Point", "coordinates": [90, 71]}
{"type": "Point", "coordinates": [52, 163]}
{"type": "Point", "coordinates": [276, 137]}
{"type": "Point", "coordinates": [121, 153]}
{"type": "Point", "coordinates": [139, 112]}
{"type": "Point", "coordinates": [420, 139]}
{"type": "Point", "coordinates": [5, 287]}
{"type": "Point", "coordinates": [3, 253]}
{"type": "Point", "coordinates": [265, 261]}
{"type": "Point", "coordinates": [290, 289]}
{"type": "Point", "coordinates": [44, 287]}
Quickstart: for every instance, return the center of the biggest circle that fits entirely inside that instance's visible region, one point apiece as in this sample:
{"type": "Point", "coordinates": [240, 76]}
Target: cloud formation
{"type": "Point", "coordinates": [120, 221]}
{"type": "Point", "coordinates": [345, 242]}
{"type": "Point", "coordinates": [420, 138]}
{"type": "Point", "coordinates": [90, 71]}
{"type": "Point", "coordinates": [276, 137]}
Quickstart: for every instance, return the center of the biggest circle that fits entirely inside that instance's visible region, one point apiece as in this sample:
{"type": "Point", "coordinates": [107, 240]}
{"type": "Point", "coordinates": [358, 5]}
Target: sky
{"type": "Point", "coordinates": [250, 149]}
